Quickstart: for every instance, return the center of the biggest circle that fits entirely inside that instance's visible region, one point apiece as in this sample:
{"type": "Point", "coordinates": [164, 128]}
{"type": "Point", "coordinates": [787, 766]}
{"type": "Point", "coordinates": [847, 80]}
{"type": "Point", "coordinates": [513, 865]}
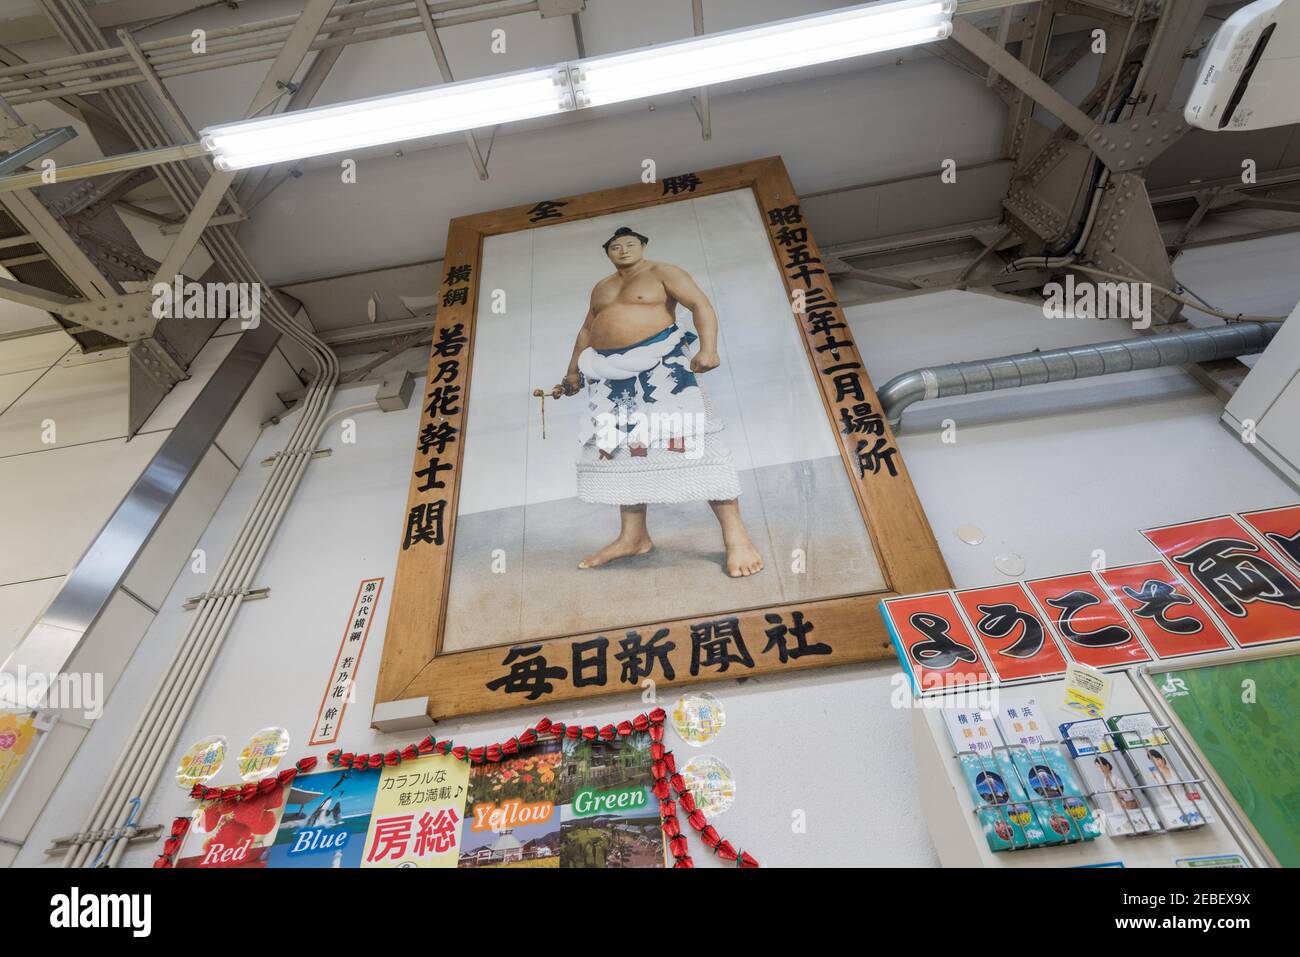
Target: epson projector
{"type": "Point", "coordinates": [1251, 76]}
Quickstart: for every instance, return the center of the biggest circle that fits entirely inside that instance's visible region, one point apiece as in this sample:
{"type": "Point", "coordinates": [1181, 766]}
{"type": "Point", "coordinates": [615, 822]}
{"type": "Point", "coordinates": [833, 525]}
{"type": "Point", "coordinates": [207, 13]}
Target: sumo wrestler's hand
{"type": "Point", "coordinates": [569, 385]}
{"type": "Point", "coordinates": [705, 361]}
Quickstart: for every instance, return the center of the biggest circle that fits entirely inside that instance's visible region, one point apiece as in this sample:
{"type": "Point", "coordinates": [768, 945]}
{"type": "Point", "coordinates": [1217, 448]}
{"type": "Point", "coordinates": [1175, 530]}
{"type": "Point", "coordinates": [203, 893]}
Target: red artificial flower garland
{"type": "Point", "coordinates": [668, 781]}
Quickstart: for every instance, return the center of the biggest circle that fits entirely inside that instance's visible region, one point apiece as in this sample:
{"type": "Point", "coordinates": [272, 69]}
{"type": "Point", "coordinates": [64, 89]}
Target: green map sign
{"type": "Point", "coordinates": [1242, 716]}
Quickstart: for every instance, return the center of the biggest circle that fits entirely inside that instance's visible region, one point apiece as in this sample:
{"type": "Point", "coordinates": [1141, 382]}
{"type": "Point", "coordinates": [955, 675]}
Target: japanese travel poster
{"type": "Point", "coordinates": [233, 833]}
{"type": "Point", "coordinates": [416, 820]}
{"type": "Point", "coordinates": [610, 816]}
{"type": "Point", "coordinates": [407, 815]}
{"type": "Point", "coordinates": [326, 820]}
{"type": "Point", "coordinates": [570, 803]}
{"type": "Point", "coordinates": [512, 819]}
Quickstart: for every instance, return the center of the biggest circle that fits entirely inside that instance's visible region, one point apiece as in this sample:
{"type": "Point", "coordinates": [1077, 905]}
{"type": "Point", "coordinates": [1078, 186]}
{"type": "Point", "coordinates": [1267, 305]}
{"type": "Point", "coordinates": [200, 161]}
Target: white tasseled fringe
{"type": "Point", "coordinates": [660, 477]}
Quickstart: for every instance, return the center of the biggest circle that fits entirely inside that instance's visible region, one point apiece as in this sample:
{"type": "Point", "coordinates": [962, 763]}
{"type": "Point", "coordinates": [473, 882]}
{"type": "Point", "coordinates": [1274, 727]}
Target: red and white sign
{"type": "Point", "coordinates": [1252, 591]}
{"type": "Point", "coordinates": [1092, 629]}
{"type": "Point", "coordinates": [1165, 610]}
{"type": "Point", "coordinates": [1015, 639]}
{"type": "Point", "coordinates": [1279, 528]}
{"type": "Point", "coordinates": [339, 691]}
{"type": "Point", "coordinates": [933, 641]}
{"type": "Point", "coordinates": [233, 832]}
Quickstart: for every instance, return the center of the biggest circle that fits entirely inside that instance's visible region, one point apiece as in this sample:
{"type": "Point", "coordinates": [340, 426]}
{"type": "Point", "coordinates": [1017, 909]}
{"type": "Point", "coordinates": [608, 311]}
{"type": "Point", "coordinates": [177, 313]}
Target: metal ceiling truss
{"type": "Point", "coordinates": [75, 223]}
{"type": "Point", "coordinates": [113, 67]}
{"type": "Point", "coordinates": [1050, 193]}
{"type": "Point", "coordinates": [1047, 199]}
{"type": "Point", "coordinates": [68, 240]}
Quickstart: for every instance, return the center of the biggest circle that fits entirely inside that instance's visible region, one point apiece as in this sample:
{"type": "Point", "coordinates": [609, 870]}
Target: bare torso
{"type": "Point", "coordinates": [630, 307]}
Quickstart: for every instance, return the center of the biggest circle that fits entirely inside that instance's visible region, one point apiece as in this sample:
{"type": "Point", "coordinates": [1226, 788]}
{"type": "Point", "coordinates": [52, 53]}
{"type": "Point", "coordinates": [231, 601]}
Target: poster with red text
{"type": "Point", "coordinates": [1251, 590]}
{"type": "Point", "coordinates": [1165, 610]}
{"type": "Point", "coordinates": [417, 814]}
{"type": "Point", "coordinates": [1015, 639]}
{"type": "Point", "coordinates": [1092, 629]}
{"type": "Point", "coordinates": [933, 643]}
{"type": "Point", "coordinates": [1280, 528]}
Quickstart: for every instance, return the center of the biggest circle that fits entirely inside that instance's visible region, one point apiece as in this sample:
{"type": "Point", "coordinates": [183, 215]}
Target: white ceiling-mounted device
{"type": "Point", "coordinates": [1251, 76]}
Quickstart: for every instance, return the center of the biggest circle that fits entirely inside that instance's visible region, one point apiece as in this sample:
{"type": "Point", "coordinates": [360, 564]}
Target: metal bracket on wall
{"type": "Point", "coordinates": [272, 459]}
{"type": "Point", "coordinates": [132, 835]}
{"type": "Point", "coordinates": [248, 594]}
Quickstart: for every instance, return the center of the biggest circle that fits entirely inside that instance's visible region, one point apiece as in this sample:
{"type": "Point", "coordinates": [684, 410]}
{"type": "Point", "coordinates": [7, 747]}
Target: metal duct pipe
{"type": "Point", "coordinates": [1075, 362]}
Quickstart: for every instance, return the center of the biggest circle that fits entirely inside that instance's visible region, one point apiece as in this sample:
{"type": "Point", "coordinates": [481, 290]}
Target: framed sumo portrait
{"type": "Point", "coordinates": [649, 451]}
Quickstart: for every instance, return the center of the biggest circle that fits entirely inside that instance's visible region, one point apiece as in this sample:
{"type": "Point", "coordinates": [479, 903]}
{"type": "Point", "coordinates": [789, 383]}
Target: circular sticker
{"type": "Point", "coordinates": [201, 762]}
{"type": "Point", "coordinates": [711, 784]}
{"type": "Point", "coordinates": [1009, 564]}
{"type": "Point", "coordinates": [698, 717]}
{"type": "Point", "coordinates": [261, 756]}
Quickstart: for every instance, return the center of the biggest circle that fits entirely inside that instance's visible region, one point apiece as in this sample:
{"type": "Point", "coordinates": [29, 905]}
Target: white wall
{"type": "Point", "coordinates": [1049, 473]}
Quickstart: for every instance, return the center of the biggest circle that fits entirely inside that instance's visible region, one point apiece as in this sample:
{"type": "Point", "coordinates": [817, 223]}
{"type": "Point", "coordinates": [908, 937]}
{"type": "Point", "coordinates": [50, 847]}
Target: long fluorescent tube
{"type": "Point", "coordinates": [596, 81]}
{"type": "Point", "coordinates": [754, 51]}
{"type": "Point", "coordinates": [449, 108]}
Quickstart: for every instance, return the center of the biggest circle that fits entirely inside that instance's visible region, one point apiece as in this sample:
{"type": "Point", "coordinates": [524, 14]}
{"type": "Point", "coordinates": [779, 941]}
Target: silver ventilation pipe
{"type": "Point", "coordinates": [1075, 362]}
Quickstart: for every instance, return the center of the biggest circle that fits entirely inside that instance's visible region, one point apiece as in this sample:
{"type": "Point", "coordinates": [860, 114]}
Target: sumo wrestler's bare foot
{"type": "Point", "coordinates": [618, 548]}
{"type": "Point", "coordinates": [743, 558]}
{"type": "Point", "coordinates": [633, 539]}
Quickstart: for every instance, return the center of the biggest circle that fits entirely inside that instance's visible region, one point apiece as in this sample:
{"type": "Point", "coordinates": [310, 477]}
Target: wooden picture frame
{"type": "Point", "coordinates": [844, 630]}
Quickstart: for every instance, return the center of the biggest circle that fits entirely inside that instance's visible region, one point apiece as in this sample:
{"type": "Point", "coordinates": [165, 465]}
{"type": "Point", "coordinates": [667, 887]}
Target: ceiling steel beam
{"type": "Point", "coordinates": [702, 94]}
{"type": "Point", "coordinates": [253, 185]}
{"type": "Point", "coordinates": [44, 143]}
{"type": "Point", "coordinates": [444, 70]}
{"type": "Point", "coordinates": [1163, 63]}
{"type": "Point", "coordinates": [1004, 30]}
{"type": "Point", "coordinates": [271, 89]}
{"type": "Point", "coordinates": [226, 48]}
{"type": "Point", "coordinates": [108, 164]}
{"type": "Point", "coordinates": [33, 296]}
{"type": "Point", "coordinates": [578, 42]}
{"type": "Point", "coordinates": [1022, 77]}
{"type": "Point", "coordinates": [184, 129]}
{"type": "Point", "coordinates": [39, 223]}
{"type": "Point", "coordinates": [1033, 52]}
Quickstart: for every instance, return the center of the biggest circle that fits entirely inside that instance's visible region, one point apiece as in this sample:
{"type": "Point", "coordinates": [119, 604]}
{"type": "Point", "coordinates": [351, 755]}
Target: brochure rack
{"type": "Point", "coordinates": [1042, 806]}
{"type": "Point", "coordinates": [958, 831]}
{"type": "Point", "coordinates": [1155, 825]}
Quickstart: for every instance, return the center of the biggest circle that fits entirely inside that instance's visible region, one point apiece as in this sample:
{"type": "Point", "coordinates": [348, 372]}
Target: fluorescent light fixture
{"type": "Point", "coordinates": [754, 51]}
{"type": "Point", "coordinates": [449, 108]}
{"type": "Point", "coordinates": [596, 81]}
